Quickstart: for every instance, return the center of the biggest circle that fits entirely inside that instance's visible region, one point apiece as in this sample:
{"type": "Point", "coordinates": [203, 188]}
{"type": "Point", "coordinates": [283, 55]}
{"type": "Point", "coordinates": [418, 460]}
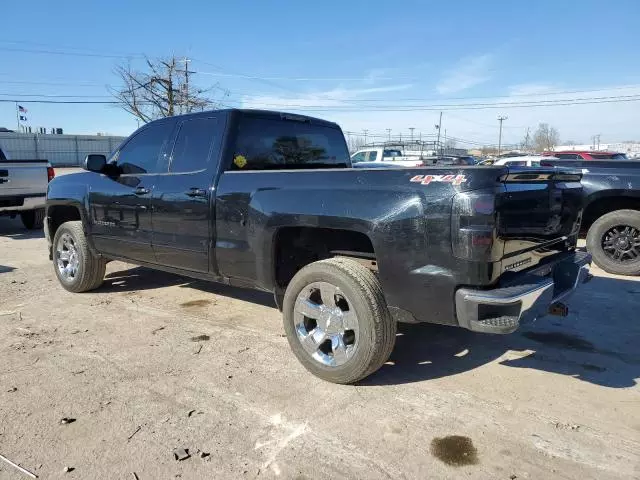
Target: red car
{"type": "Point", "coordinates": [585, 155]}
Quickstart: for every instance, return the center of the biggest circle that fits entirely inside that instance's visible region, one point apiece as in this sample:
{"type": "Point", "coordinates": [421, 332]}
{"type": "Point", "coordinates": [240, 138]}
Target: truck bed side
{"type": "Point", "coordinates": [403, 220]}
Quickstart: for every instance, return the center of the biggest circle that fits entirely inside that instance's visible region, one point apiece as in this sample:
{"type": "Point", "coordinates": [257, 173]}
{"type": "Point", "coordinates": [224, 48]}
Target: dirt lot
{"type": "Point", "coordinates": [152, 362]}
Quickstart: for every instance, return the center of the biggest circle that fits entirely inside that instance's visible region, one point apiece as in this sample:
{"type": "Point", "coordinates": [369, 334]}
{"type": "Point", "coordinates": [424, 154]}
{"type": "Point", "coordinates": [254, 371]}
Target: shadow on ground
{"type": "Point", "coordinates": [597, 343]}
{"type": "Point", "coordinates": [13, 228]}
{"type": "Point", "coordinates": [140, 278]}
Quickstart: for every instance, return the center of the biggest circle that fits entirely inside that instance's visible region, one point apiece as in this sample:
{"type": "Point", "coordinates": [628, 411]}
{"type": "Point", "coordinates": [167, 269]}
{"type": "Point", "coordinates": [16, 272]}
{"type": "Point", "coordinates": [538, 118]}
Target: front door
{"type": "Point", "coordinates": [182, 201]}
{"type": "Point", "coordinates": [120, 205]}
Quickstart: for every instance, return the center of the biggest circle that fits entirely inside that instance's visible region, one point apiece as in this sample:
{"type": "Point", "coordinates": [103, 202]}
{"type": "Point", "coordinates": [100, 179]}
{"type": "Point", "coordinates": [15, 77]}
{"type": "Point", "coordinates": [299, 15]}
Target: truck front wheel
{"type": "Point", "coordinates": [33, 219]}
{"type": "Point", "coordinates": [76, 267]}
{"type": "Point", "coordinates": [614, 242]}
{"type": "Point", "coordinates": [337, 321]}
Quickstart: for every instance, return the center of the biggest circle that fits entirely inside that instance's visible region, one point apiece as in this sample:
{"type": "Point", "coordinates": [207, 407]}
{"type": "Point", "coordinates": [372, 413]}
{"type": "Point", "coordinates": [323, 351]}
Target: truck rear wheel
{"type": "Point", "coordinates": [614, 242]}
{"type": "Point", "coordinates": [76, 267]}
{"type": "Point", "coordinates": [337, 321]}
{"type": "Point", "coordinates": [33, 219]}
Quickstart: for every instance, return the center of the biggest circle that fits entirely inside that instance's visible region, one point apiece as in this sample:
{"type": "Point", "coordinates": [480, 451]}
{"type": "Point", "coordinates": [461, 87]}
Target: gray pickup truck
{"type": "Point", "coordinates": [23, 189]}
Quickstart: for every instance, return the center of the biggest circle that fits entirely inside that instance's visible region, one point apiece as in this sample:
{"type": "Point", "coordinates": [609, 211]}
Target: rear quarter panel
{"type": "Point", "coordinates": [407, 222]}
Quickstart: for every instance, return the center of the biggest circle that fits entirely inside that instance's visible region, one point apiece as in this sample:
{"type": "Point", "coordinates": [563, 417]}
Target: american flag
{"type": "Point", "coordinates": [21, 109]}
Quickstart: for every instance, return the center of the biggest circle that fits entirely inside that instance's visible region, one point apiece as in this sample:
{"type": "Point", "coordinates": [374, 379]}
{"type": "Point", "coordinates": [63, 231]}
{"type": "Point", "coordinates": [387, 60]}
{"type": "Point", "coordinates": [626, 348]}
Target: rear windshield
{"type": "Point", "coordinates": [274, 144]}
{"type": "Point", "coordinates": [392, 153]}
{"type": "Point", "coordinates": [608, 156]}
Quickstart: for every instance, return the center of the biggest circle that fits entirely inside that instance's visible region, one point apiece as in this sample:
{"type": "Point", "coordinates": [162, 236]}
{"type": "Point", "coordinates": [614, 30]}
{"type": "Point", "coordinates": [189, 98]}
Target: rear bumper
{"type": "Point", "coordinates": [20, 204]}
{"type": "Point", "coordinates": [522, 297]}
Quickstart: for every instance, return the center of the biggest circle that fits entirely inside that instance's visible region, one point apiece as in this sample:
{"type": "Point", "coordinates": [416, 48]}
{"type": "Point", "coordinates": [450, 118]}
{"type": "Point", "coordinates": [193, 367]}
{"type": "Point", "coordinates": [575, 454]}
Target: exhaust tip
{"type": "Point", "coordinates": [559, 309]}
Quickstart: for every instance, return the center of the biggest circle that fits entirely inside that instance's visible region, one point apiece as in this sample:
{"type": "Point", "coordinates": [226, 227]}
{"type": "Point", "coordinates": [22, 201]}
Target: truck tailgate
{"type": "Point", "coordinates": [23, 178]}
{"type": "Point", "coordinates": [538, 214]}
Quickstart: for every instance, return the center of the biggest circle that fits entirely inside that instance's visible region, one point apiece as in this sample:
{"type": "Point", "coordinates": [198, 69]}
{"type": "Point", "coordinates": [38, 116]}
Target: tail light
{"type": "Point", "coordinates": [51, 173]}
{"type": "Point", "coordinates": [473, 225]}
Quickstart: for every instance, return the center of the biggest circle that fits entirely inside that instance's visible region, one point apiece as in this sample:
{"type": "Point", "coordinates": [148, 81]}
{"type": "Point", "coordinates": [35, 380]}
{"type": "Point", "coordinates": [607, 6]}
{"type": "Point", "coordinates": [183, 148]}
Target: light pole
{"type": "Point", "coordinates": [501, 119]}
{"type": "Point", "coordinates": [412, 129]}
{"type": "Point", "coordinates": [438, 128]}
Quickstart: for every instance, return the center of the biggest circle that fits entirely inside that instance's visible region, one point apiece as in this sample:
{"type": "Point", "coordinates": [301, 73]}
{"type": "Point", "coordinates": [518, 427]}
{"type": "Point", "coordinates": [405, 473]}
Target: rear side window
{"type": "Point", "coordinates": [274, 144]}
{"type": "Point", "coordinates": [516, 163]}
{"type": "Point", "coordinates": [373, 155]}
{"type": "Point", "coordinates": [568, 156]}
{"type": "Point", "coordinates": [193, 145]}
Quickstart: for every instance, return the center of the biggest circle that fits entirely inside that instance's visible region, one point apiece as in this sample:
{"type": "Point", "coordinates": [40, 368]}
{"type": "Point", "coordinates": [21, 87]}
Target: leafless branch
{"type": "Point", "coordinates": [161, 90]}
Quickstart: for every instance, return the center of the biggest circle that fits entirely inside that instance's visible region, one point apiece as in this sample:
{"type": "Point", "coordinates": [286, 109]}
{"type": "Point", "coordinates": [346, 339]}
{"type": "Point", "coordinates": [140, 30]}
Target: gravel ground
{"type": "Point", "coordinates": [153, 362]}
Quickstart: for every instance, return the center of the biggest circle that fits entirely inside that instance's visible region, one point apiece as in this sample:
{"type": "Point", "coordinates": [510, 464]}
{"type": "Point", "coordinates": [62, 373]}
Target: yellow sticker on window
{"type": "Point", "coordinates": [240, 161]}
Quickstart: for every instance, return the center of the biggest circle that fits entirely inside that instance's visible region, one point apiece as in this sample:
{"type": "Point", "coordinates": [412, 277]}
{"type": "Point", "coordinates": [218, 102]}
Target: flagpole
{"type": "Point", "coordinates": [18, 117]}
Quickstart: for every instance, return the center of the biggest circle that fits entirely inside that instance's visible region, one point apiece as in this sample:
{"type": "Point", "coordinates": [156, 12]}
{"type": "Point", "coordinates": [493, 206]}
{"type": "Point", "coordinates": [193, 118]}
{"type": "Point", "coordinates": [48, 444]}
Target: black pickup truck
{"type": "Point", "coordinates": [611, 218]}
{"type": "Point", "coordinates": [269, 200]}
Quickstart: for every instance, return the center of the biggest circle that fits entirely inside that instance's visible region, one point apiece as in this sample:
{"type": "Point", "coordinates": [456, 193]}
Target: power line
{"type": "Point", "coordinates": [459, 106]}
{"type": "Point", "coordinates": [52, 95]}
{"type": "Point", "coordinates": [77, 54]}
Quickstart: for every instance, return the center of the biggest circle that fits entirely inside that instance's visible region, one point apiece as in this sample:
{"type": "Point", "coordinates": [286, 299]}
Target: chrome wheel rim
{"type": "Point", "coordinates": [326, 324]}
{"type": "Point", "coordinates": [67, 257]}
{"type": "Point", "coordinates": [622, 243]}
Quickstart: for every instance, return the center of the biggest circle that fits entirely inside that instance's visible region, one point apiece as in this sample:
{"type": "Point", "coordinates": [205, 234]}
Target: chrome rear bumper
{"type": "Point", "coordinates": [523, 297]}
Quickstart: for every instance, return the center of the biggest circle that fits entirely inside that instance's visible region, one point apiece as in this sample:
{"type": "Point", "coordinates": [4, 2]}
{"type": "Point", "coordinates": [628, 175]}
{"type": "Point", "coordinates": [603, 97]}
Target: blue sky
{"type": "Point", "coordinates": [368, 65]}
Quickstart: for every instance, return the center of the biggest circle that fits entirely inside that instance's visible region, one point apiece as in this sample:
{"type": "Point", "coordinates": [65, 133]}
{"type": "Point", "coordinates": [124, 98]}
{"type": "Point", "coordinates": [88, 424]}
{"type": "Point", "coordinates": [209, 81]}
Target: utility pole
{"type": "Point", "coordinates": [526, 140]}
{"type": "Point", "coordinates": [186, 85]}
{"type": "Point", "coordinates": [598, 137]}
{"type": "Point", "coordinates": [438, 128]}
{"type": "Point", "coordinates": [365, 135]}
{"type": "Point", "coordinates": [389, 133]}
{"type": "Point", "coordinates": [412, 129]}
{"type": "Point", "coordinates": [501, 119]}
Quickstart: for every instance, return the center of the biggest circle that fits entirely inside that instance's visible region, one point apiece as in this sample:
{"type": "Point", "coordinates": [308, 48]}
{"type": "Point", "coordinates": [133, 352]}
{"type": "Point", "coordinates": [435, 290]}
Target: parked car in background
{"type": "Point", "coordinates": [379, 154]}
{"type": "Point", "coordinates": [585, 155]}
{"type": "Point", "coordinates": [521, 161]}
{"type": "Point", "coordinates": [462, 160]}
{"type": "Point", "coordinates": [611, 217]}
{"type": "Point", "coordinates": [23, 189]}
{"type": "Point", "coordinates": [347, 253]}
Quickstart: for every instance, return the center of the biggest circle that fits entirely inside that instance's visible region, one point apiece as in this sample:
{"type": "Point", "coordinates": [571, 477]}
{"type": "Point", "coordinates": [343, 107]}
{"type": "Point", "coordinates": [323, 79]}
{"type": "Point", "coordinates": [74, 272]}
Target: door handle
{"type": "Point", "coordinates": [141, 191]}
{"type": "Point", "coordinates": [196, 192]}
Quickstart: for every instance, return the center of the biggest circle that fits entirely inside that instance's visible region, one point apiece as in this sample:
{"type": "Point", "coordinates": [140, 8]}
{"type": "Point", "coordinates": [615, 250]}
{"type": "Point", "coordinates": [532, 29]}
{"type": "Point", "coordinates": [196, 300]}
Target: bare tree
{"type": "Point", "coordinates": [545, 138]}
{"type": "Point", "coordinates": [354, 142]}
{"type": "Point", "coordinates": [162, 90]}
{"type": "Point", "coordinates": [450, 144]}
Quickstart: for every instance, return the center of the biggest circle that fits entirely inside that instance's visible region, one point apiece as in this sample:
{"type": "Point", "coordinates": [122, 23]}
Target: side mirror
{"type": "Point", "coordinates": [95, 162]}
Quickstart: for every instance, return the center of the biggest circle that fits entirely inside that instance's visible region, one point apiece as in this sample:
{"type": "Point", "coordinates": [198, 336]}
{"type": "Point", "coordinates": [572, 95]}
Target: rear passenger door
{"type": "Point", "coordinates": [182, 202]}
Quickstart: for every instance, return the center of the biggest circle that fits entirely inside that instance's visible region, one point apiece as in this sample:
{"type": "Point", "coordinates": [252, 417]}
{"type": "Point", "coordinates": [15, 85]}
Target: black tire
{"type": "Point", "coordinates": [33, 219]}
{"type": "Point", "coordinates": [376, 327]}
{"type": "Point", "coordinates": [90, 270]}
{"type": "Point", "coordinates": [596, 236]}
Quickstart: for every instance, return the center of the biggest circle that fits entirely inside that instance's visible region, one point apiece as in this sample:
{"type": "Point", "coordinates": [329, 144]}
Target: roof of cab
{"type": "Point", "coordinates": [254, 112]}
